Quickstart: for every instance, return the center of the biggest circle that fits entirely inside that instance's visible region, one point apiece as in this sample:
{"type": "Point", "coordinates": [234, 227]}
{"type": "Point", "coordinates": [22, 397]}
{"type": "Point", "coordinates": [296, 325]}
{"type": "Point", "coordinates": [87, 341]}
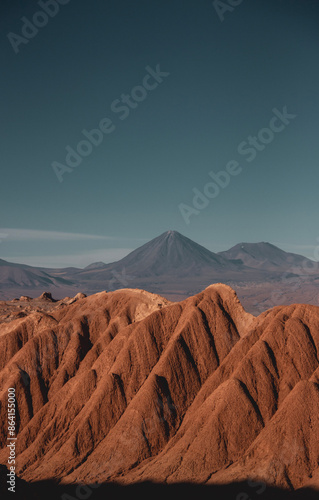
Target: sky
{"type": "Point", "coordinates": [204, 118]}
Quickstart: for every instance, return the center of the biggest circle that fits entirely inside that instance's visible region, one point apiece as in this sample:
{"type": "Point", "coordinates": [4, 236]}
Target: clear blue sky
{"type": "Point", "coordinates": [225, 78]}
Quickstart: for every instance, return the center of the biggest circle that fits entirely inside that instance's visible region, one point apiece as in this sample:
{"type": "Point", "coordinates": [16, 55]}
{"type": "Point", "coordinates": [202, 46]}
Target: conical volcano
{"type": "Point", "coordinates": [174, 254]}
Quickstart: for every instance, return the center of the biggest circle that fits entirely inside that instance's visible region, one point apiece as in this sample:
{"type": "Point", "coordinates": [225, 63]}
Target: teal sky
{"type": "Point", "coordinates": [223, 80]}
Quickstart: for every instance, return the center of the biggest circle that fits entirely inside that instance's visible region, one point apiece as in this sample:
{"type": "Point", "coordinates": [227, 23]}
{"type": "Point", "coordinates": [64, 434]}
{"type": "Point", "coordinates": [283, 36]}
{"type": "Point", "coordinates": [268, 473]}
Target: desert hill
{"type": "Point", "coordinates": [126, 386]}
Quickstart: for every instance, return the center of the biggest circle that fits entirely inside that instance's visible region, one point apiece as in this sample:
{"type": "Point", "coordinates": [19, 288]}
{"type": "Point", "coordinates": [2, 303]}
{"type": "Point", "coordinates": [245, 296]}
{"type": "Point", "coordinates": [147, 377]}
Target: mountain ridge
{"type": "Point", "coordinates": [118, 386]}
{"type": "Point", "coordinates": [266, 256]}
{"type": "Point", "coordinates": [177, 267]}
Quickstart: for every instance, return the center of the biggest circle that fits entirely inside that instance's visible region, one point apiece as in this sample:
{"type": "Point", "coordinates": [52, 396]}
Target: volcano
{"type": "Point", "coordinates": [171, 253]}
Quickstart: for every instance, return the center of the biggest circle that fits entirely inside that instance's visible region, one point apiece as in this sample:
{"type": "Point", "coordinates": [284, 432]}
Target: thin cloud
{"type": "Point", "coordinates": [72, 260]}
{"type": "Point", "coordinates": [34, 234]}
{"type": "Point", "coordinates": [295, 248]}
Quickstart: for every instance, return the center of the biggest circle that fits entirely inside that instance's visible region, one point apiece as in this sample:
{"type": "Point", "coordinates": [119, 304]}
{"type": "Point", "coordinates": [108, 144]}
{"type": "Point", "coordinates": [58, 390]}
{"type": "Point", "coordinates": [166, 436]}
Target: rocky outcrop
{"type": "Point", "coordinates": [126, 386]}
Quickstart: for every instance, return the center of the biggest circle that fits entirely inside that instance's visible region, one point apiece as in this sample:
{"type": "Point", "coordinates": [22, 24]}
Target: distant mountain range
{"type": "Point", "coordinates": [173, 266]}
{"type": "Point", "coordinates": [265, 256]}
{"type": "Point", "coordinates": [171, 252]}
{"type": "Point", "coordinates": [20, 275]}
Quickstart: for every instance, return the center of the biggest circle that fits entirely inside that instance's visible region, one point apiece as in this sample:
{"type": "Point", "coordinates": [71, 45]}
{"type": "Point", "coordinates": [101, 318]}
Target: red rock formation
{"type": "Point", "coordinates": [126, 386]}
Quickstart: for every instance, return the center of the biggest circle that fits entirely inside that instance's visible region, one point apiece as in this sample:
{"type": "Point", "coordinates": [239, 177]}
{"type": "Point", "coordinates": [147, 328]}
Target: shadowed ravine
{"type": "Point", "coordinates": [50, 490]}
